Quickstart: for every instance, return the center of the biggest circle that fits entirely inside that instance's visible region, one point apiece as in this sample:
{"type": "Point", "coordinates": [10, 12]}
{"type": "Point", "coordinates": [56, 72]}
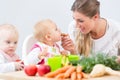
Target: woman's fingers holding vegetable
{"type": "Point", "coordinates": [67, 45]}
{"type": "Point", "coordinates": [64, 52]}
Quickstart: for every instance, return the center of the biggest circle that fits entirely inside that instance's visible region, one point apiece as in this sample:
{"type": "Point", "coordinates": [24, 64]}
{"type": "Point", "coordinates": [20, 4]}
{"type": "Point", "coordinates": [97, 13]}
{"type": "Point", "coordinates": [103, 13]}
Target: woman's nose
{"type": "Point", "coordinates": [78, 25]}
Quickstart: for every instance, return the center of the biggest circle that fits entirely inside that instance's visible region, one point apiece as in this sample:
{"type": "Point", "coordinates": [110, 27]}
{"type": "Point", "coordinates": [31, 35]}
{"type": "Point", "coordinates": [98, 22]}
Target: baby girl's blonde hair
{"type": "Point", "coordinates": [42, 28]}
{"type": "Point", "coordinates": [9, 27]}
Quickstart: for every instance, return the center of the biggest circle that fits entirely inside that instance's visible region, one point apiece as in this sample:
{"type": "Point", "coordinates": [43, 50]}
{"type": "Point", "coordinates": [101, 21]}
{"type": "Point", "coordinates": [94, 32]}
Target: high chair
{"type": "Point", "coordinates": [27, 45]}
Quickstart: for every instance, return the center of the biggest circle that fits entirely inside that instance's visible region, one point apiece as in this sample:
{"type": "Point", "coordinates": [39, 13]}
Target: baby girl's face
{"type": "Point", "coordinates": [55, 33]}
{"type": "Point", "coordinates": [8, 41]}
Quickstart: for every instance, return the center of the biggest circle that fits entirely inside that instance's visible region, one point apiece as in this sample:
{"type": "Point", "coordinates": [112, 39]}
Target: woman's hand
{"type": "Point", "coordinates": [67, 43]}
{"type": "Point", "coordinates": [64, 52]}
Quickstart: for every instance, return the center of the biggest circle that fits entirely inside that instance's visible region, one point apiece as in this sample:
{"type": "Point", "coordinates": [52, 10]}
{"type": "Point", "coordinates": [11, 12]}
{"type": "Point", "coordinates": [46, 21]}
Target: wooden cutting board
{"type": "Point", "coordinates": [20, 75]}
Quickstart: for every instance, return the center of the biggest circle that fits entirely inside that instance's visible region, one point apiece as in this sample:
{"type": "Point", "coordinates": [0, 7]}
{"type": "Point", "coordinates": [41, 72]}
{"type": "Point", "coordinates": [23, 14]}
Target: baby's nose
{"type": "Point", "coordinates": [12, 45]}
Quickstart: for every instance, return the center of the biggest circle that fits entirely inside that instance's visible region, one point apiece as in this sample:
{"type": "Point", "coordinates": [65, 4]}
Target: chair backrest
{"type": "Point", "coordinates": [27, 45]}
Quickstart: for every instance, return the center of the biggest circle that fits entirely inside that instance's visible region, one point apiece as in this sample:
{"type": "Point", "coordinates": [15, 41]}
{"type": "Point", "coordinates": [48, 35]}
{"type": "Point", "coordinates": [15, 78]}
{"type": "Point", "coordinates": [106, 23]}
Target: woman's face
{"type": "Point", "coordinates": [84, 23]}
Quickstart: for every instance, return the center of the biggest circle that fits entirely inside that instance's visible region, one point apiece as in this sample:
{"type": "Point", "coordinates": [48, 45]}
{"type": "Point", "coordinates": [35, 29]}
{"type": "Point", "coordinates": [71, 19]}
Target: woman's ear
{"type": "Point", "coordinates": [96, 16]}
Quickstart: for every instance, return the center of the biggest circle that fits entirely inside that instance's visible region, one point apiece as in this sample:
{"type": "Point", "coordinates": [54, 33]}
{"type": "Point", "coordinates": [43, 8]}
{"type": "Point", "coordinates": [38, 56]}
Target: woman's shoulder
{"type": "Point", "coordinates": [113, 23]}
{"type": "Point", "coordinates": [113, 28]}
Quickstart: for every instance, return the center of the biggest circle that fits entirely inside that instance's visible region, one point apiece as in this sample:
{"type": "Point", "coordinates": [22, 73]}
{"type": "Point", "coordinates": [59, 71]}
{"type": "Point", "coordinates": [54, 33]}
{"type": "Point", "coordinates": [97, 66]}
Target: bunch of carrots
{"type": "Point", "coordinates": [67, 73]}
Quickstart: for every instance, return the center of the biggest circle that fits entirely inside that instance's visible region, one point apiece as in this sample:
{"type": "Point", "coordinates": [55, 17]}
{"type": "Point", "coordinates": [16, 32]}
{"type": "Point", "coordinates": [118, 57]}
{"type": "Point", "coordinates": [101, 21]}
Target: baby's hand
{"type": "Point", "coordinates": [19, 61]}
{"type": "Point", "coordinates": [44, 53]}
{"type": "Point", "coordinates": [19, 66]}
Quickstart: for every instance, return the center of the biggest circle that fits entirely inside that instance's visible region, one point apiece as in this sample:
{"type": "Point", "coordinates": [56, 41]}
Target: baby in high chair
{"type": "Point", "coordinates": [47, 34]}
{"type": "Point", "coordinates": [8, 43]}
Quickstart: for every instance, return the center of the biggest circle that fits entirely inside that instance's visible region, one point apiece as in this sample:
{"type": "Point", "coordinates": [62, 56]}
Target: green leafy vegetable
{"type": "Point", "coordinates": [88, 63]}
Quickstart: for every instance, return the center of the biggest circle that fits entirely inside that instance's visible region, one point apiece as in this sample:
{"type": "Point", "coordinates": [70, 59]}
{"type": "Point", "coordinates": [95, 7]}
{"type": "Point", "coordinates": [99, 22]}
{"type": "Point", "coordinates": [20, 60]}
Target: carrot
{"type": "Point", "coordinates": [58, 71]}
{"type": "Point", "coordinates": [84, 75]}
{"type": "Point", "coordinates": [58, 79]}
{"type": "Point", "coordinates": [73, 76]}
{"type": "Point", "coordinates": [69, 71]}
{"type": "Point", "coordinates": [79, 69]}
{"type": "Point", "coordinates": [63, 34]}
{"type": "Point", "coordinates": [79, 76]}
{"type": "Point", "coordinates": [60, 76]}
{"type": "Point", "coordinates": [78, 79]}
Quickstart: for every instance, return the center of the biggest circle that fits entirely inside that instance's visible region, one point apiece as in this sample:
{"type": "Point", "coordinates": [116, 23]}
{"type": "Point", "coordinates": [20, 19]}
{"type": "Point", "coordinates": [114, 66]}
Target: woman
{"type": "Point", "coordinates": [92, 34]}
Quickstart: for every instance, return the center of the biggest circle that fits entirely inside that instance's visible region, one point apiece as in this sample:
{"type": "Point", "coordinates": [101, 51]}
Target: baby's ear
{"type": "Point", "coordinates": [48, 37]}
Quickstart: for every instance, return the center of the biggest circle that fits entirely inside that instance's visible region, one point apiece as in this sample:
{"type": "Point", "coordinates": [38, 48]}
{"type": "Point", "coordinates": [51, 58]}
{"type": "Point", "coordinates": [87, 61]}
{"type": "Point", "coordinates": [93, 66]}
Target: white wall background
{"type": "Point", "coordinates": [25, 13]}
{"type": "Point", "coordinates": [110, 9]}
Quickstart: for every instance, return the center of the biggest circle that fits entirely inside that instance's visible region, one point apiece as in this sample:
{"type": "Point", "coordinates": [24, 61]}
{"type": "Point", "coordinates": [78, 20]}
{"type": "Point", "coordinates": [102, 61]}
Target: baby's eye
{"type": "Point", "coordinates": [56, 29]}
{"type": "Point", "coordinates": [15, 42]}
{"type": "Point", "coordinates": [8, 42]}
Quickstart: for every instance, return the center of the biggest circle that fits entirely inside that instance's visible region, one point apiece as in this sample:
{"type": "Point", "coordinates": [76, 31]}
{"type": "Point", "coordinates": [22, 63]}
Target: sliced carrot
{"type": "Point", "coordinates": [73, 76]}
{"type": "Point", "coordinates": [63, 34]}
{"type": "Point", "coordinates": [79, 76]}
{"type": "Point", "coordinates": [58, 71]}
{"type": "Point", "coordinates": [85, 75]}
{"type": "Point", "coordinates": [79, 69]}
{"type": "Point", "coordinates": [79, 79]}
{"type": "Point", "coordinates": [69, 71]}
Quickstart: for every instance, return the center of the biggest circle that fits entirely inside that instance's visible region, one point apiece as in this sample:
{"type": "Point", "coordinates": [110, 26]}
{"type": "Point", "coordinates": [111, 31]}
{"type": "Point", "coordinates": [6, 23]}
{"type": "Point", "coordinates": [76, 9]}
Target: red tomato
{"type": "Point", "coordinates": [30, 70]}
